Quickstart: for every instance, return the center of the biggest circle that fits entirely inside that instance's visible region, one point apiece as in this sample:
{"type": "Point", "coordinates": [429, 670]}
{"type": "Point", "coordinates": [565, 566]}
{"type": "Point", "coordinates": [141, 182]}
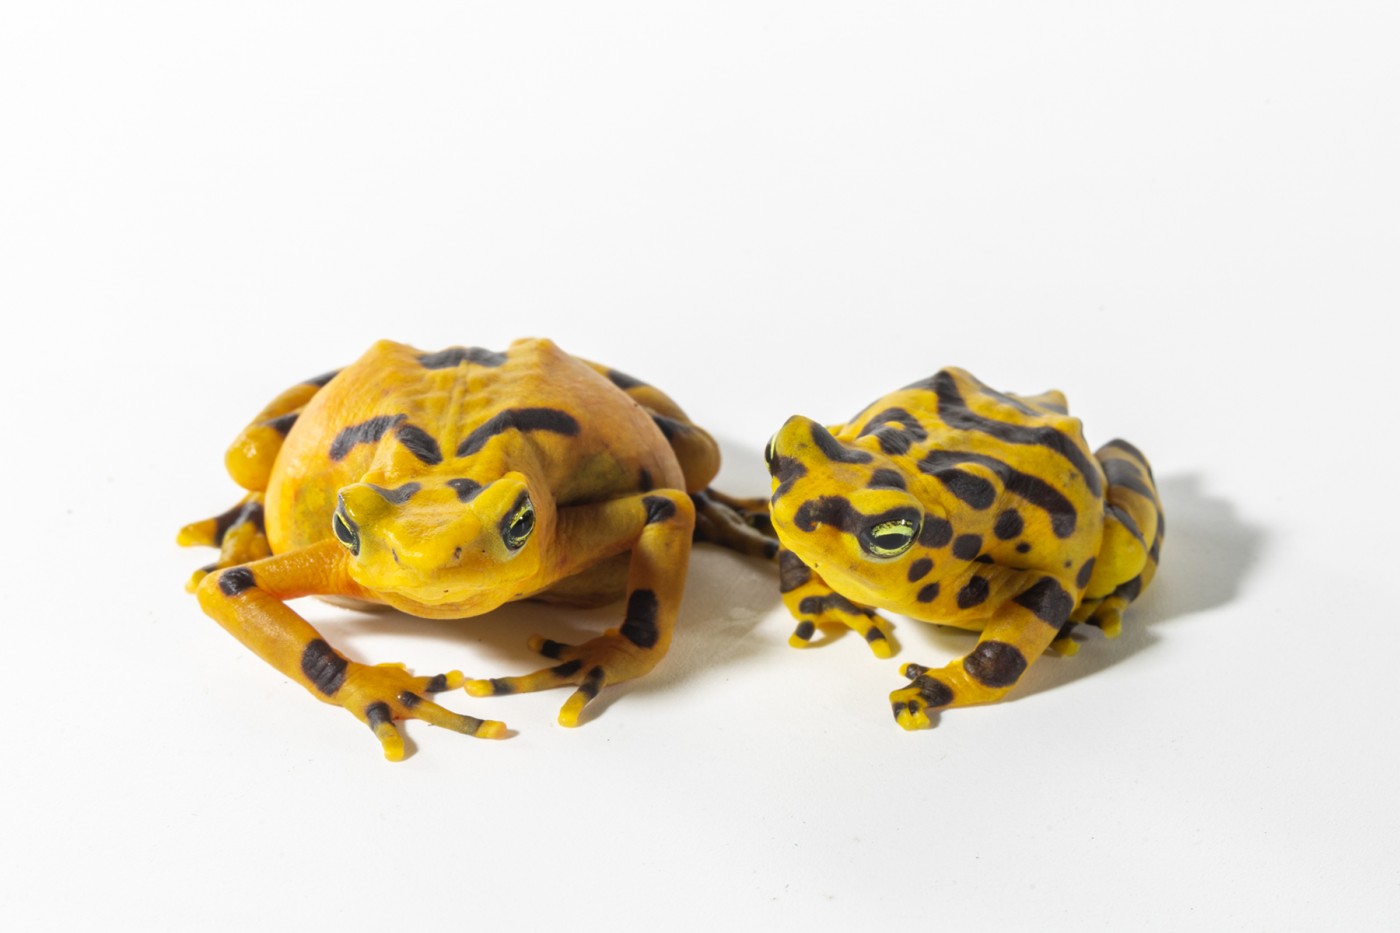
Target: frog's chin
{"type": "Point", "coordinates": [443, 603]}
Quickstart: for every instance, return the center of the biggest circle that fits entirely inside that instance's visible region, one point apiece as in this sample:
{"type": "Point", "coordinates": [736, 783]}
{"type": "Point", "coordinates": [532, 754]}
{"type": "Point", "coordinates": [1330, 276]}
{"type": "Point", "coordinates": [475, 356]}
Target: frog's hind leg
{"type": "Point", "coordinates": [239, 533]}
{"type": "Point", "coordinates": [1132, 539]}
{"type": "Point", "coordinates": [741, 525]}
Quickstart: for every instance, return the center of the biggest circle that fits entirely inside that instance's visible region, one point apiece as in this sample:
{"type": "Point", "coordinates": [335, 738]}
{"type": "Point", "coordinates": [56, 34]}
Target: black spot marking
{"type": "Point", "coordinates": [973, 490]}
{"type": "Point", "coordinates": [1131, 590]}
{"type": "Point", "coordinates": [552, 649]}
{"type": "Point", "coordinates": [834, 450]}
{"type": "Point", "coordinates": [659, 509]}
{"type": "Point", "coordinates": [928, 593]}
{"type": "Point", "coordinates": [240, 514]}
{"type": "Point", "coordinates": [995, 663]}
{"type": "Point", "coordinates": [1085, 573]}
{"type": "Point", "coordinates": [1126, 474]}
{"type": "Point", "coordinates": [936, 532]}
{"type": "Point", "coordinates": [896, 430]}
{"type": "Point", "coordinates": [1047, 601]}
{"type": "Point", "coordinates": [1009, 525]}
{"type": "Point", "coordinates": [786, 471]}
{"type": "Point", "coordinates": [567, 669]}
{"type": "Point", "coordinates": [919, 569]}
{"type": "Point", "coordinates": [419, 443]}
{"type": "Point", "coordinates": [967, 547]}
{"type": "Point", "coordinates": [887, 479]}
{"type": "Point", "coordinates": [792, 573]}
{"type": "Point", "coordinates": [955, 413]}
{"type": "Point", "coordinates": [835, 511]}
{"type": "Point", "coordinates": [323, 667]}
{"type": "Point", "coordinates": [366, 432]}
{"type": "Point", "coordinates": [283, 423]}
{"type": "Point", "coordinates": [378, 714]}
{"type": "Point", "coordinates": [592, 683]}
{"type": "Point", "coordinates": [1023, 548]}
{"type": "Point", "coordinates": [1034, 490]}
{"type": "Point", "coordinates": [235, 581]}
{"type": "Point", "coordinates": [466, 489]}
{"type": "Point", "coordinates": [519, 419]}
{"type": "Point", "coordinates": [399, 495]}
{"type": "Point", "coordinates": [624, 381]}
{"type": "Point", "coordinates": [973, 593]}
{"type": "Point", "coordinates": [873, 635]}
{"type": "Point", "coordinates": [1124, 519]}
{"type": "Point", "coordinates": [805, 630]}
{"type": "Point", "coordinates": [644, 481]}
{"type": "Point", "coordinates": [816, 605]}
{"type": "Point", "coordinates": [501, 686]}
{"type": "Point", "coordinates": [408, 699]}
{"type": "Point", "coordinates": [436, 684]}
{"type": "Point", "coordinates": [455, 356]}
{"type": "Point", "coordinates": [640, 628]}
{"type": "Point", "coordinates": [321, 380]}
{"type": "Point", "coordinates": [934, 692]}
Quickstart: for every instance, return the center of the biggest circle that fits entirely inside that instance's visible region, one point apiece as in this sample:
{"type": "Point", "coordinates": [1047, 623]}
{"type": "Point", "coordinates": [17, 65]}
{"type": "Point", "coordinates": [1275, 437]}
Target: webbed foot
{"type": "Point", "coordinates": [591, 666]}
{"type": "Point", "coordinates": [379, 694]}
{"type": "Point", "coordinates": [912, 704]}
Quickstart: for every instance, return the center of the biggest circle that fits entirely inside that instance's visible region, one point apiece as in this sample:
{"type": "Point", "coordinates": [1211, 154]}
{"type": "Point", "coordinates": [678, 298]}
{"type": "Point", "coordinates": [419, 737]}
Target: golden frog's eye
{"type": "Point", "coordinates": [889, 538]}
{"type": "Point", "coordinates": [515, 530]}
{"type": "Point", "coordinates": [770, 451]}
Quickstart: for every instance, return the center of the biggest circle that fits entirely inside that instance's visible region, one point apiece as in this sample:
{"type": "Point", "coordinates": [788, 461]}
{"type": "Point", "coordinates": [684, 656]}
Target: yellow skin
{"type": "Point", "coordinates": [445, 484]}
{"type": "Point", "coordinates": [952, 503]}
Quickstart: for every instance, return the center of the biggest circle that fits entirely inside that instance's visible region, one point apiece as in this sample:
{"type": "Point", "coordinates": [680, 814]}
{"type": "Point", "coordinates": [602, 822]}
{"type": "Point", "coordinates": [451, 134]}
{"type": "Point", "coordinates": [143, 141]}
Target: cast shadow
{"type": "Point", "coordinates": [1207, 556]}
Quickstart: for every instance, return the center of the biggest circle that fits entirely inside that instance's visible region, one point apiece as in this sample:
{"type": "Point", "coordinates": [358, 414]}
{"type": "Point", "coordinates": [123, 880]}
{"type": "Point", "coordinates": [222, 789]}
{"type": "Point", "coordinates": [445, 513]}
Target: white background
{"type": "Point", "coordinates": [1183, 215]}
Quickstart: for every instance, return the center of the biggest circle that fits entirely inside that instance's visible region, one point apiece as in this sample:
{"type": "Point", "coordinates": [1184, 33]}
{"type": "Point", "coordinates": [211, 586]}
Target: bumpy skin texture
{"type": "Point", "coordinates": [445, 484]}
{"type": "Point", "coordinates": [953, 503]}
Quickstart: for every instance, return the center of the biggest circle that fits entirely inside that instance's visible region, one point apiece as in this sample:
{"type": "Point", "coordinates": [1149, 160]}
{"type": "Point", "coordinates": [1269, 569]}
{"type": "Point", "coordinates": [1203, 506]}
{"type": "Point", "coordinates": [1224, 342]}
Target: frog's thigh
{"type": "Point", "coordinates": [812, 602]}
{"type": "Point", "coordinates": [1019, 631]}
{"type": "Point", "coordinates": [250, 457]}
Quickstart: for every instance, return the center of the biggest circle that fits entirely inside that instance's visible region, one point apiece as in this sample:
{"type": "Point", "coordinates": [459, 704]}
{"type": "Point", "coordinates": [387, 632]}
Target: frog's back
{"type": "Point", "coordinates": [399, 411]}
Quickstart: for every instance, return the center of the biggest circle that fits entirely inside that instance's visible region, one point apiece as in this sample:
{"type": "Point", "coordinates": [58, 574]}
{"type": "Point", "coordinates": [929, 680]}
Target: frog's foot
{"type": "Point", "coordinates": [238, 534]}
{"type": "Point", "coordinates": [378, 695]}
{"type": "Point", "coordinates": [741, 525]}
{"type": "Point", "coordinates": [1064, 644]}
{"type": "Point", "coordinates": [927, 691]}
{"type": "Point", "coordinates": [836, 613]}
{"type": "Point", "coordinates": [608, 659]}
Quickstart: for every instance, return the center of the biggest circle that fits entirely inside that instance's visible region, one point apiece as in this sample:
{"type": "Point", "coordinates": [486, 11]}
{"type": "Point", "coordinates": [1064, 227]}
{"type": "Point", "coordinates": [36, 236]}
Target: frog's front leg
{"type": "Point", "coordinates": [249, 601]}
{"type": "Point", "coordinates": [813, 603]}
{"type": "Point", "coordinates": [656, 527]}
{"type": "Point", "coordinates": [1019, 630]}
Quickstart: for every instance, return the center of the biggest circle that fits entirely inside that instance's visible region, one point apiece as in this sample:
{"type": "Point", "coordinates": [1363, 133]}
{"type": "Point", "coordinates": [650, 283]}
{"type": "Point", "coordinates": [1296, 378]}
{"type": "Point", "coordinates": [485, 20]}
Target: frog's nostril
{"type": "Point", "coordinates": [345, 529]}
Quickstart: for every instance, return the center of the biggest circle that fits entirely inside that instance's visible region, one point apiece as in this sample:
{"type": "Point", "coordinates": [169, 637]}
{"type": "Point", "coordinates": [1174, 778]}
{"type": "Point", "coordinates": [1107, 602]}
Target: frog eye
{"type": "Point", "coordinates": [345, 529]}
{"type": "Point", "coordinates": [515, 531]}
{"type": "Point", "coordinates": [889, 539]}
{"type": "Point", "coordinates": [771, 450]}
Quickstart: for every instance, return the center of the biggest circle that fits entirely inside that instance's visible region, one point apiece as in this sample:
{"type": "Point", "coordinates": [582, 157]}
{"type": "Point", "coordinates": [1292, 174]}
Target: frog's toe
{"type": "Point", "coordinates": [608, 659]}
{"type": "Point", "coordinates": [912, 704]}
{"type": "Point", "coordinates": [382, 694]}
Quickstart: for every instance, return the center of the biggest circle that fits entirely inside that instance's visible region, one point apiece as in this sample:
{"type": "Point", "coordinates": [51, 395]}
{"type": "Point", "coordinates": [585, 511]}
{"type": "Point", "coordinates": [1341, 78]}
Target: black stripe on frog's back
{"type": "Point", "coordinates": [366, 432]}
{"type": "Point", "coordinates": [896, 430]}
{"type": "Point", "coordinates": [953, 410]}
{"type": "Point", "coordinates": [455, 356]}
{"type": "Point", "coordinates": [943, 464]}
{"type": "Point", "coordinates": [518, 419]}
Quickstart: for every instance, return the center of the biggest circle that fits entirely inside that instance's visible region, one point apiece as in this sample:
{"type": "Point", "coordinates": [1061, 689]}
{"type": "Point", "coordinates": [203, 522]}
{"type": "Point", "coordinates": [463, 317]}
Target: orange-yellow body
{"type": "Point", "coordinates": [445, 484]}
{"type": "Point", "coordinates": [953, 503]}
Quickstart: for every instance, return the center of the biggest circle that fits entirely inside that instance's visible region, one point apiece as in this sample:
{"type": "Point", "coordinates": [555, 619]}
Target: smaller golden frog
{"type": "Point", "coordinates": [445, 484]}
{"type": "Point", "coordinates": [953, 503]}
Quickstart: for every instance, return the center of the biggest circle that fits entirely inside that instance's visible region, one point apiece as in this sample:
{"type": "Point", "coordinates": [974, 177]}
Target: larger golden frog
{"type": "Point", "coordinates": [445, 484]}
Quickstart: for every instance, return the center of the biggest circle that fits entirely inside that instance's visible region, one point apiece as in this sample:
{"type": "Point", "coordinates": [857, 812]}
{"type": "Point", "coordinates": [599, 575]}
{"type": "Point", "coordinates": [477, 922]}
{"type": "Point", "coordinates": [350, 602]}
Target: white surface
{"type": "Point", "coordinates": [1185, 216]}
